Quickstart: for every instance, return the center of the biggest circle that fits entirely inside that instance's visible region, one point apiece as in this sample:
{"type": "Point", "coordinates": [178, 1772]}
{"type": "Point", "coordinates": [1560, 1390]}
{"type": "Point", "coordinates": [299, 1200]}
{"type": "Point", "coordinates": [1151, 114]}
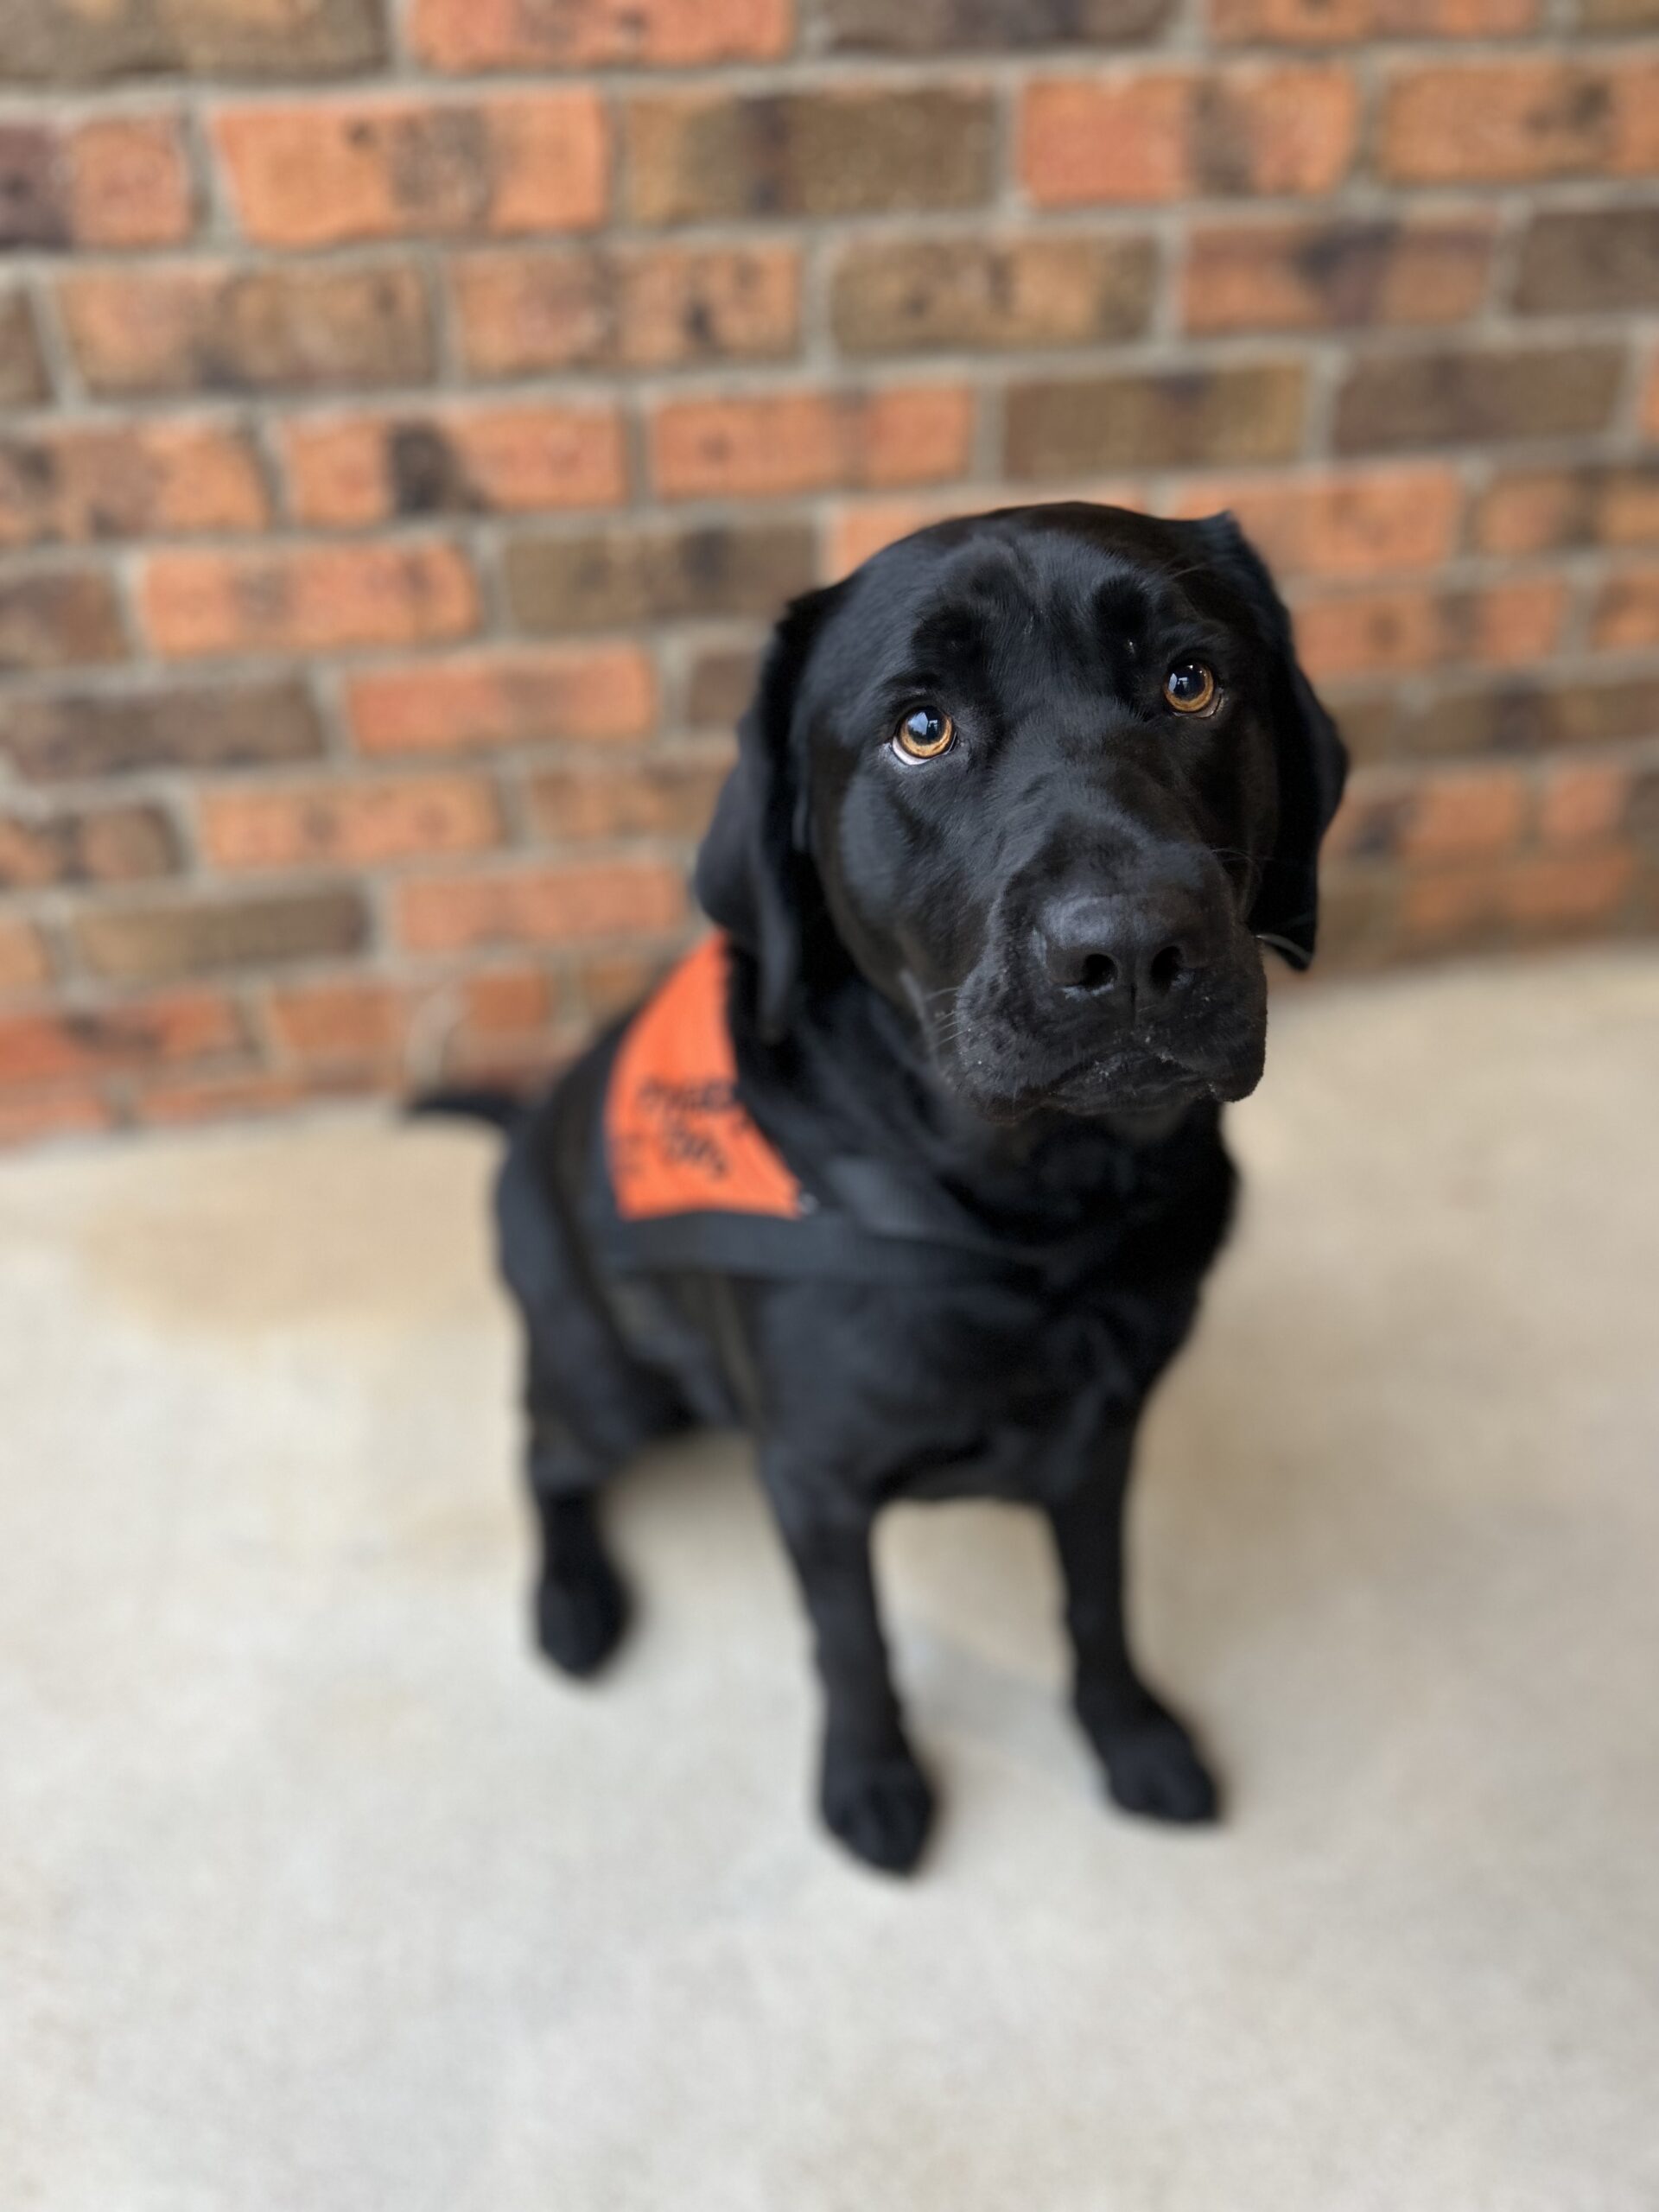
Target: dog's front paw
{"type": "Point", "coordinates": [580, 1612]}
{"type": "Point", "coordinates": [879, 1804]}
{"type": "Point", "coordinates": [1152, 1766]}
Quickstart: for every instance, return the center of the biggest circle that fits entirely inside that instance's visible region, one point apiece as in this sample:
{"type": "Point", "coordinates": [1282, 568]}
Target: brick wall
{"type": "Point", "coordinates": [414, 408]}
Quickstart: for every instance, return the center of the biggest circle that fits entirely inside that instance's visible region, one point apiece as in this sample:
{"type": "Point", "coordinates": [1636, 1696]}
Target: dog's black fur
{"type": "Point", "coordinates": [1025, 973]}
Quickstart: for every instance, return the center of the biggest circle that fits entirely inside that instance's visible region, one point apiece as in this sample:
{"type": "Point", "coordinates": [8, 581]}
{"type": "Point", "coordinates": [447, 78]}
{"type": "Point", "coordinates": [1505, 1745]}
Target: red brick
{"type": "Point", "coordinates": [809, 440]}
{"type": "Point", "coordinates": [1548, 893]}
{"type": "Point", "coordinates": [349, 824]}
{"type": "Point", "coordinates": [612, 982]}
{"type": "Point", "coordinates": [23, 372]}
{"type": "Point", "coordinates": [323, 173]}
{"type": "Point", "coordinates": [471, 35]}
{"type": "Point", "coordinates": [475, 1025]}
{"type": "Point", "coordinates": [1374, 808]}
{"type": "Point", "coordinates": [117, 181]}
{"type": "Point", "coordinates": [306, 599]}
{"type": "Point", "coordinates": [1540, 510]}
{"type": "Point", "coordinates": [1599, 260]}
{"type": "Point", "coordinates": [34, 210]}
{"type": "Point", "coordinates": [678, 305]}
{"type": "Point", "coordinates": [1627, 611]}
{"type": "Point", "coordinates": [1164, 135]}
{"type": "Point", "coordinates": [1583, 801]}
{"type": "Point", "coordinates": [1500, 122]}
{"type": "Point", "coordinates": [527, 697]}
{"type": "Point", "coordinates": [544, 906]}
{"type": "Point", "coordinates": [1320, 22]}
{"type": "Point", "coordinates": [1543, 510]}
{"type": "Point", "coordinates": [83, 735]}
{"type": "Point", "coordinates": [1175, 418]}
{"type": "Point", "coordinates": [1334, 276]}
{"type": "Point", "coordinates": [842, 150]}
{"type": "Point", "coordinates": [53, 1113]}
{"type": "Point", "coordinates": [128, 183]}
{"type": "Point", "coordinates": [65, 42]}
{"type": "Point", "coordinates": [1450, 907]}
{"type": "Point", "coordinates": [1369, 724]}
{"type": "Point", "coordinates": [1626, 505]}
{"type": "Point", "coordinates": [948, 27]}
{"type": "Point", "coordinates": [1509, 625]}
{"type": "Point", "coordinates": [913, 295]}
{"type": "Point", "coordinates": [366, 469]}
{"type": "Point", "coordinates": [651, 571]}
{"type": "Point", "coordinates": [1464, 812]}
{"type": "Point", "coordinates": [1531, 510]}
{"type": "Point", "coordinates": [47, 1047]}
{"type": "Point", "coordinates": [68, 484]}
{"type": "Point", "coordinates": [194, 936]}
{"type": "Point", "coordinates": [1476, 394]}
{"type": "Point", "coordinates": [219, 327]}
{"type": "Point", "coordinates": [659, 798]}
{"type": "Point", "coordinates": [111, 844]}
{"type": "Point", "coordinates": [1536, 717]}
{"type": "Point", "coordinates": [25, 962]}
{"type": "Point", "coordinates": [656, 306]}
{"type": "Point", "coordinates": [720, 684]}
{"type": "Point", "coordinates": [1585, 887]}
{"type": "Point", "coordinates": [1352, 523]}
{"type": "Point", "coordinates": [348, 1020]}
{"type": "Point", "coordinates": [1394, 631]}
{"type": "Point", "coordinates": [58, 619]}
{"type": "Point", "coordinates": [506, 1002]}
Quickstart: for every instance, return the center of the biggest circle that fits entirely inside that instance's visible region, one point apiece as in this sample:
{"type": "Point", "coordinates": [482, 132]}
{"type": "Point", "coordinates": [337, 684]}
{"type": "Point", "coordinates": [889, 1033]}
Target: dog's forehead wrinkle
{"type": "Point", "coordinates": [1014, 584]}
{"type": "Point", "coordinates": [1121, 600]}
{"type": "Point", "coordinates": [1002, 618]}
{"type": "Point", "coordinates": [954, 636]}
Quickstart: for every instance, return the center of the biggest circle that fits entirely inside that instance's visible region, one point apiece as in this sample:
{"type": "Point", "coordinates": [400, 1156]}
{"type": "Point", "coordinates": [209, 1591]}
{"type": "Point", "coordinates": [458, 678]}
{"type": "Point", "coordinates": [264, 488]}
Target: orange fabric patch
{"type": "Point", "coordinates": [677, 1139]}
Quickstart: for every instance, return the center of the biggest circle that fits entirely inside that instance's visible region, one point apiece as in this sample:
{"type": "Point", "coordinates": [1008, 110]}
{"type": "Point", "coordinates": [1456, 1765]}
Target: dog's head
{"type": "Point", "coordinates": [1047, 777]}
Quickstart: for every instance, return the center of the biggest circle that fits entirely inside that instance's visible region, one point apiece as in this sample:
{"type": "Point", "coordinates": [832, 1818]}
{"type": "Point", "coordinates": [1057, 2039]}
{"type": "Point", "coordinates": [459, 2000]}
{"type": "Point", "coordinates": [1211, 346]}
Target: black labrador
{"type": "Point", "coordinates": [1014, 809]}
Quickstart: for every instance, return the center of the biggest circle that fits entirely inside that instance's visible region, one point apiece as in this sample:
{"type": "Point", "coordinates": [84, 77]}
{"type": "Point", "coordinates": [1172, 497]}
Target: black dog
{"type": "Point", "coordinates": [1014, 809]}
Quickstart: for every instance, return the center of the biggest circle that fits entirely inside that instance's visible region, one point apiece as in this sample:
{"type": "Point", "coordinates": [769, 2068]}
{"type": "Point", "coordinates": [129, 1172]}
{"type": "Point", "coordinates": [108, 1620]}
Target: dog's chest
{"type": "Point", "coordinates": [974, 1388]}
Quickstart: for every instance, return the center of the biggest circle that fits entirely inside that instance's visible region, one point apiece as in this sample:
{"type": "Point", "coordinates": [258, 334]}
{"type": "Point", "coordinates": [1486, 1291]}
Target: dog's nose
{"type": "Point", "coordinates": [1131, 953]}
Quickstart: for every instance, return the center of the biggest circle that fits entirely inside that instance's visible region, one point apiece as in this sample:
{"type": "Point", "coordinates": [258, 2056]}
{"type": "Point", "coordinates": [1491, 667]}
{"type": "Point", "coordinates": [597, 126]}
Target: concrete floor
{"type": "Point", "coordinates": [314, 1893]}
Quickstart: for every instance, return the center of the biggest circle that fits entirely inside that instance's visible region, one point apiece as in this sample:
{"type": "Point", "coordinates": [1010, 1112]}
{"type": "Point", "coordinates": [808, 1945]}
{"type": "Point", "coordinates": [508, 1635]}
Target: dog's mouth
{"type": "Point", "coordinates": [1118, 1083]}
{"type": "Point", "coordinates": [1006, 1080]}
{"type": "Point", "coordinates": [1130, 1080]}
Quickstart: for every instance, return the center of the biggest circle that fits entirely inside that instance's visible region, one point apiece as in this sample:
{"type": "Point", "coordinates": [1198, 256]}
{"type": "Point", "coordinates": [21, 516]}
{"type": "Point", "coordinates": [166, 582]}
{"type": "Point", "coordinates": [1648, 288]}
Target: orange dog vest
{"type": "Point", "coordinates": [677, 1138]}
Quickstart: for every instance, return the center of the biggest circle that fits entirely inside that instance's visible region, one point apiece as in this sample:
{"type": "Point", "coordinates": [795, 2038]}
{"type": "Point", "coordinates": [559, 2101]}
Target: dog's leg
{"type": "Point", "coordinates": [590, 1407]}
{"type": "Point", "coordinates": [872, 1793]}
{"type": "Point", "coordinates": [1152, 1764]}
{"type": "Point", "coordinates": [581, 1605]}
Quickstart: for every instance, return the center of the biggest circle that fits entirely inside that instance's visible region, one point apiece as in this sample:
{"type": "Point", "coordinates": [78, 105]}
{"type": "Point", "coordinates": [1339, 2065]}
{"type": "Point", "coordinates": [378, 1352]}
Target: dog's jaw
{"type": "Point", "coordinates": [997, 1062]}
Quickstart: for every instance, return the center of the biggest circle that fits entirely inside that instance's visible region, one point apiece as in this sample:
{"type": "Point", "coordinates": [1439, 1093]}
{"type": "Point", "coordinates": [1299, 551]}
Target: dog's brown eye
{"type": "Point", "coordinates": [924, 736]}
{"type": "Point", "coordinates": [1190, 687]}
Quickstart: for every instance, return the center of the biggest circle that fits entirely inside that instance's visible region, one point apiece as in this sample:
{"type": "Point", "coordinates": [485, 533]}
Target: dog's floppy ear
{"type": "Point", "coordinates": [752, 864]}
{"type": "Point", "coordinates": [1311, 759]}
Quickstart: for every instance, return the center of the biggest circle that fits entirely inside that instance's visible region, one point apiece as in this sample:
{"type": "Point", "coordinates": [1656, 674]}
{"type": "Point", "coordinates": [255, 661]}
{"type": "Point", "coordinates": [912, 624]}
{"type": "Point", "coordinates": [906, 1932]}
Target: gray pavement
{"type": "Point", "coordinates": [315, 1893]}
